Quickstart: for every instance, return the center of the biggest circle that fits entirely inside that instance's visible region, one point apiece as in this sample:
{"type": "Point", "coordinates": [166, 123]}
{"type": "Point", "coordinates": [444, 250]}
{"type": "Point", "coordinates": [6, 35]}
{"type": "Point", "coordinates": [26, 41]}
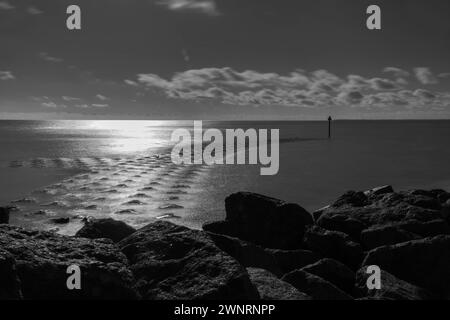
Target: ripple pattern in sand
{"type": "Point", "coordinates": [138, 191]}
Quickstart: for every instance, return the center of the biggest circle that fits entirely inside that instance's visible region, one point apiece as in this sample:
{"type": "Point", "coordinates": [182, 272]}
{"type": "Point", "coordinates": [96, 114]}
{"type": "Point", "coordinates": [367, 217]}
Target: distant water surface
{"type": "Point", "coordinates": [313, 169]}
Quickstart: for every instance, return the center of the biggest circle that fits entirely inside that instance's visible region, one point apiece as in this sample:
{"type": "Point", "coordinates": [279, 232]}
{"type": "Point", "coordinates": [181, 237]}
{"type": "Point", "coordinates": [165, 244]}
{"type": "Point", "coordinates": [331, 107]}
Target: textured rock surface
{"type": "Point", "coordinates": [42, 259]}
{"type": "Point", "coordinates": [173, 262]}
{"type": "Point", "coordinates": [314, 286]}
{"type": "Point", "coordinates": [385, 235]}
{"type": "Point", "coordinates": [425, 263]}
{"type": "Point", "coordinates": [381, 209]}
{"type": "Point", "coordinates": [272, 288]}
{"type": "Point", "coordinates": [288, 260]}
{"type": "Point", "coordinates": [392, 288]}
{"type": "Point", "coordinates": [105, 228]}
{"type": "Point", "coordinates": [9, 280]}
{"type": "Point", "coordinates": [334, 244]}
{"type": "Point", "coordinates": [334, 272]}
{"type": "Point", "coordinates": [265, 221]}
{"type": "Point", "coordinates": [246, 253]}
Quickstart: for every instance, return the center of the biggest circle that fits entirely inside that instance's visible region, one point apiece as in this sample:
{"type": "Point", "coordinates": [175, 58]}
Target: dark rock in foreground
{"type": "Point", "coordinates": [314, 286]}
{"type": "Point", "coordinates": [265, 221]}
{"type": "Point", "coordinates": [375, 209]}
{"type": "Point", "coordinates": [272, 288]}
{"type": "Point", "coordinates": [173, 262]}
{"type": "Point", "coordinates": [289, 260]}
{"type": "Point", "coordinates": [105, 228]}
{"type": "Point", "coordinates": [334, 244]}
{"type": "Point", "coordinates": [392, 288]}
{"type": "Point", "coordinates": [9, 280]}
{"type": "Point", "coordinates": [4, 215]}
{"type": "Point", "coordinates": [42, 259]}
{"type": "Point", "coordinates": [334, 272]}
{"type": "Point", "coordinates": [385, 235]}
{"type": "Point", "coordinates": [425, 263]}
{"type": "Point", "coordinates": [246, 253]}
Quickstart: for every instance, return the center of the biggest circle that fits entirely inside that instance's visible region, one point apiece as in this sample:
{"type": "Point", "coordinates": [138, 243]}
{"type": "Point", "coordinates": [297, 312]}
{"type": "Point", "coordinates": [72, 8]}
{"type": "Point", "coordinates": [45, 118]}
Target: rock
{"type": "Point", "coordinates": [4, 215]}
{"type": "Point", "coordinates": [272, 288]}
{"type": "Point", "coordinates": [316, 214]}
{"type": "Point", "coordinates": [354, 208]}
{"type": "Point", "coordinates": [176, 263]}
{"type": "Point", "coordinates": [105, 228]}
{"type": "Point", "coordinates": [425, 262]}
{"type": "Point", "coordinates": [385, 235]}
{"type": "Point", "coordinates": [334, 244]}
{"type": "Point", "coordinates": [379, 190]}
{"type": "Point", "coordinates": [289, 260]}
{"type": "Point", "coordinates": [42, 259]}
{"type": "Point", "coordinates": [334, 272]}
{"type": "Point", "coordinates": [425, 229]}
{"type": "Point", "coordinates": [314, 286]}
{"type": "Point", "coordinates": [445, 211]}
{"type": "Point", "coordinates": [342, 223]}
{"type": "Point", "coordinates": [443, 197]}
{"type": "Point", "coordinates": [63, 220]}
{"type": "Point", "coordinates": [392, 288]}
{"type": "Point", "coordinates": [265, 221]}
{"type": "Point", "coordinates": [352, 198]}
{"type": "Point", "coordinates": [246, 253]}
{"type": "Point", "coordinates": [9, 280]}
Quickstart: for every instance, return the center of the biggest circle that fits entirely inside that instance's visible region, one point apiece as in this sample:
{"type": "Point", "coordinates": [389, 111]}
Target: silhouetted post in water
{"type": "Point", "coordinates": [329, 127]}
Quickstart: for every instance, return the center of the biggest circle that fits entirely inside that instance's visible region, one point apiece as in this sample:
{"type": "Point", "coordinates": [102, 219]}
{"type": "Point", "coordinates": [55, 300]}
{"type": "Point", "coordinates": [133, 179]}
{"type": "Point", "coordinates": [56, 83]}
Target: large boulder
{"type": "Point", "coordinates": [356, 209]}
{"type": "Point", "coordinates": [272, 288]}
{"type": "Point", "coordinates": [265, 221]}
{"type": "Point", "coordinates": [276, 261]}
{"type": "Point", "coordinates": [105, 228]}
{"type": "Point", "coordinates": [247, 253]}
{"type": "Point", "coordinates": [9, 279]}
{"type": "Point", "coordinates": [314, 286]}
{"type": "Point", "coordinates": [289, 260]}
{"type": "Point", "coordinates": [4, 215]}
{"type": "Point", "coordinates": [392, 288]}
{"type": "Point", "coordinates": [333, 271]}
{"type": "Point", "coordinates": [342, 223]}
{"type": "Point", "coordinates": [385, 235]}
{"type": "Point", "coordinates": [177, 263]}
{"type": "Point", "coordinates": [334, 244]}
{"type": "Point", "coordinates": [425, 262]}
{"type": "Point", "coordinates": [42, 260]}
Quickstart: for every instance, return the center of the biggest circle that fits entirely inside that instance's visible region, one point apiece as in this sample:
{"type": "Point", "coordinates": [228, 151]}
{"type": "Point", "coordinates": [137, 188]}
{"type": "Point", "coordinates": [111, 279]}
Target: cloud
{"type": "Point", "coordinates": [81, 106]}
{"type": "Point", "coordinates": [101, 97]}
{"type": "Point", "coordinates": [6, 75]}
{"type": "Point", "coordinates": [444, 75]}
{"type": "Point", "coordinates": [5, 5]}
{"type": "Point", "coordinates": [34, 10]}
{"type": "Point", "coordinates": [317, 89]}
{"type": "Point", "coordinates": [98, 105]}
{"type": "Point", "coordinates": [52, 105]}
{"type": "Point", "coordinates": [131, 83]}
{"type": "Point", "coordinates": [46, 57]}
{"type": "Point", "coordinates": [66, 98]}
{"type": "Point", "coordinates": [383, 84]}
{"type": "Point", "coordinates": [397, 72]}
{"type": "Point", "coordinates": [208, 7]}
{"type": "Point", "coordinates": [424, 94]}
{"type": "Point", "coordinates": [425, 76]}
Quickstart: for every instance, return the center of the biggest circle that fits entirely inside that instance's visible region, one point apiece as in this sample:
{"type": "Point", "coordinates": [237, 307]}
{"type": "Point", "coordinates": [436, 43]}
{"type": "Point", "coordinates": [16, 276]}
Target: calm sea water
{"type": "Point", "coordinates": [313, 169]}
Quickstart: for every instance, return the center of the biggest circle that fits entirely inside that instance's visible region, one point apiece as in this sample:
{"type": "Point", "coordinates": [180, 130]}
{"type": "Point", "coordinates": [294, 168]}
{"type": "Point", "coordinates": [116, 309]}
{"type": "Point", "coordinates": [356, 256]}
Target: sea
{"type": "Point", "coordinates": [81, 170]}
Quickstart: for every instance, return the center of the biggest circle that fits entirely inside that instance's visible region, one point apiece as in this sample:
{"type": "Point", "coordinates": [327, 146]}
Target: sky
{"type": "Point", "coordinates": [224, 59]}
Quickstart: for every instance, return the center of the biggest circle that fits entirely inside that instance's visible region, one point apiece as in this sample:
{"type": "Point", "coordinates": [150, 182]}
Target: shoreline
{"type": "Point", "coordinates": [265, 249]}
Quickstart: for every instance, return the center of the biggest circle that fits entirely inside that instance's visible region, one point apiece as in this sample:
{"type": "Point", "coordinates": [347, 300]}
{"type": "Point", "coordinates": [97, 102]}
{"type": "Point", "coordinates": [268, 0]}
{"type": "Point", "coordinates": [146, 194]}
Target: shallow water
{"type": "Point", "coordinates": [121, 169]}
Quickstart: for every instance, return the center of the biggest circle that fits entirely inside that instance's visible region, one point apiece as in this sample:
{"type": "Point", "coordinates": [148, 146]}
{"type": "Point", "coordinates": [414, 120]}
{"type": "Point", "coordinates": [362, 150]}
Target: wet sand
{"type": "Point", "coordinates": [136, 190]}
